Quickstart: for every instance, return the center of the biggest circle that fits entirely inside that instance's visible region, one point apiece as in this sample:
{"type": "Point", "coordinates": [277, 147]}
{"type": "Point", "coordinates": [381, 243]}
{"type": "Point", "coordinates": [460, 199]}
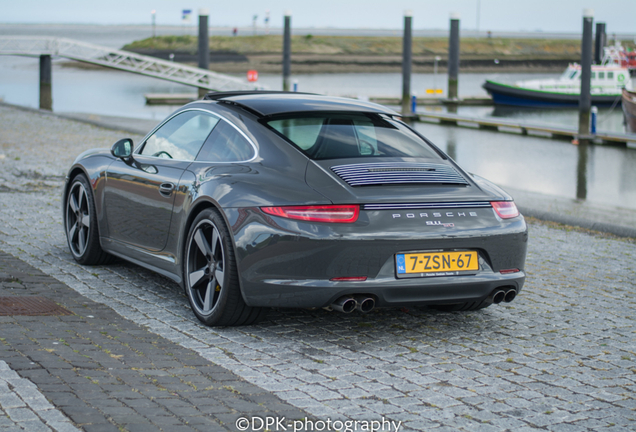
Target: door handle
{"type": "Point", "coordinates": [166, 189]}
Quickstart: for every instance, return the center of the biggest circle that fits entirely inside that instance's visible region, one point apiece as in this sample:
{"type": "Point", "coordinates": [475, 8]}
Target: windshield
{"type": "Point", "coordinates": [335, 136]}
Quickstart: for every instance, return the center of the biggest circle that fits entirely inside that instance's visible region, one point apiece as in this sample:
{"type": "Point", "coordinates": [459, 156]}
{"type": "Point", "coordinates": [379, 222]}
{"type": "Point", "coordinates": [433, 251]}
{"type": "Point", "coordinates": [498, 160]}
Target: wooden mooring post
{"type": "Point", "coordinates": [204, 46]}
{"type": "Point", "coordinates": [46, 98]}
{"type": "Point", "coordinates": [585, 100]}
{"type": "Point", "coordinates": [453, 62]}
{"type": "Point", "coordinates": [287, 51]}
{"type": "Point", "coordinates": [599, 43]}
{"type": "Point", "coordinates": [407, 60]}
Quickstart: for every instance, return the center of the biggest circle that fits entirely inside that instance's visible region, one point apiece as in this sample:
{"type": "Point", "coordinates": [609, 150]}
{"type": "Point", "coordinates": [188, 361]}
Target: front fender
{"type": "Point", "coordinates": [93, 165]}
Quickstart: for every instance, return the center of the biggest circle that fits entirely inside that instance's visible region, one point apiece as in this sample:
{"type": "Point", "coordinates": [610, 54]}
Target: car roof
{"type": "Point", "coordinates": [269, 103]}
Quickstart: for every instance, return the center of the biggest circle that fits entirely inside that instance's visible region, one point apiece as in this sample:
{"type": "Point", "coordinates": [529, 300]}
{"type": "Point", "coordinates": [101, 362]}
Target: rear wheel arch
{"type": "Point", "coordinates": [196, 209]}
{"type": "Point", "coordinates": [214, 289]}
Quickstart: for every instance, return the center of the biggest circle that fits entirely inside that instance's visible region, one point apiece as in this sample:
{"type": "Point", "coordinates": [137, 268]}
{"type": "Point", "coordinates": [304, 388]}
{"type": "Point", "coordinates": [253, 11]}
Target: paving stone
{"type": "Point", "coordinates": [20, 415]}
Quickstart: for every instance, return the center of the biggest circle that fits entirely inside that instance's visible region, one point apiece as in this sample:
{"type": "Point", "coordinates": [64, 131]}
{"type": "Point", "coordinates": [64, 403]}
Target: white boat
{"type": "Point", "coordinates": [606, 84]}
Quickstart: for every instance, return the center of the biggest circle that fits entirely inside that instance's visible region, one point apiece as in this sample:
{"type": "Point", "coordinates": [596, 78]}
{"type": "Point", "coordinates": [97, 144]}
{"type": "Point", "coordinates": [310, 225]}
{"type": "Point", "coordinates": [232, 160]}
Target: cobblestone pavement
{"type": "Point", "coordinates": [23, 406]}
{"type": "Point", "coordinates": [561, 357]}
{"type": "Point", "coordinates": [105, 372]}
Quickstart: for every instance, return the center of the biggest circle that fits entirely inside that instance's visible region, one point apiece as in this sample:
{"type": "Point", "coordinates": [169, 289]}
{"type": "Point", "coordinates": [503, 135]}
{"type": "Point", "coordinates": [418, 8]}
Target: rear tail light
{"type": "Point", "coordinates": [325, 213]}
{"type": "Point", "coordinates": [505, 209]}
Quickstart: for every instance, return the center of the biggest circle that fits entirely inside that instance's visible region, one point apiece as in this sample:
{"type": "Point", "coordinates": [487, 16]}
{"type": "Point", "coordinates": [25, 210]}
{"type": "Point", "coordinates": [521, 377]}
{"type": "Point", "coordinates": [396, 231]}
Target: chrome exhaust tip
{"type": "Point", "coordinates": [345, 304]}
{"type": "Point", "coordinates": [498, 296]}
{"type": "Point", "coordinates": [510, 295]}
{"type": "Point", "coordinates": [364, 304]}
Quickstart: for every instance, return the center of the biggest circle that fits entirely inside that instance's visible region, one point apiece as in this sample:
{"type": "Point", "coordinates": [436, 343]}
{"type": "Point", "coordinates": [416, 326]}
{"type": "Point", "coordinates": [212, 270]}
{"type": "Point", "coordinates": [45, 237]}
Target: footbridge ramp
{"type": "Point", "coordinates": [35, 46]}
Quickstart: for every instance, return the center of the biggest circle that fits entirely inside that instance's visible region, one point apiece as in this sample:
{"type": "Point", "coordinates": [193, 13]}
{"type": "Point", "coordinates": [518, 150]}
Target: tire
{"type": "Point", "coordinates": [80, 224]}
{"type": "Point", "coordinates": [462, 307]}
{"type": "Point", "coordinates": [210, 275]}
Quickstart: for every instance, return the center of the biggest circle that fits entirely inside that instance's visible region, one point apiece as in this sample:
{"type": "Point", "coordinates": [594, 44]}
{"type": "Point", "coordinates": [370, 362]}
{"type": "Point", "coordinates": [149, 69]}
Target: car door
{"type": "Point", "coordinates": [139, 194]}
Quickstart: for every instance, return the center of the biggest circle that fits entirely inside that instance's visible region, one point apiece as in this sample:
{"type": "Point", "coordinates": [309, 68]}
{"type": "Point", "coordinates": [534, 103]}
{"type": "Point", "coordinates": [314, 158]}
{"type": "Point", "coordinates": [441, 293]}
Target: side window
{"type": "Point", "coordinates": [225, 144]}
{"type": "Point", "coordinates": [181, 137]}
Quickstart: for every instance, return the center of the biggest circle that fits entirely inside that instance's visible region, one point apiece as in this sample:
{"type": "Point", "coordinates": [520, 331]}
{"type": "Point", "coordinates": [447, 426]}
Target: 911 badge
{"type": "Point", "coordinates": [435, 215]}
{"type": "Point", "coordinates": [439, 223]}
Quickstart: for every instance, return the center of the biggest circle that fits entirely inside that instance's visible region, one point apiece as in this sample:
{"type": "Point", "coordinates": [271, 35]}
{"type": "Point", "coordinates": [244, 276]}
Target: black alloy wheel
{"type": "Point", "coordinates": [80, 223]}
{"type": "Point", "coordinates": [210, 274]}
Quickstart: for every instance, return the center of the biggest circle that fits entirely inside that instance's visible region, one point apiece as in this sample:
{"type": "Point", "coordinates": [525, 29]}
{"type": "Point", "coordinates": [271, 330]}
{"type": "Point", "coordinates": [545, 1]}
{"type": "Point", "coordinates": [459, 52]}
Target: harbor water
{"type": "Point", "coordinates": [526, 163]}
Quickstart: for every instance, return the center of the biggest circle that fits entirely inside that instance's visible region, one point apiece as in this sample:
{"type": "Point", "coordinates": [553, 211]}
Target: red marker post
{"type": "Point", "coordinates": [252, 75]}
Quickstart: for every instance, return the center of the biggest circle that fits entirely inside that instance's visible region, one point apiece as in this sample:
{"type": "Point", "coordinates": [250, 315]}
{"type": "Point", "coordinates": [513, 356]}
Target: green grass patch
{"type": "Point", "coordinates": [368, 45]}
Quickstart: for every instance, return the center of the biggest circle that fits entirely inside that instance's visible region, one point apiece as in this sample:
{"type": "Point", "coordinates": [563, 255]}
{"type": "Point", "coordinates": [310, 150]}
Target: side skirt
{"type": "Point", "coordinates": [126, 252]}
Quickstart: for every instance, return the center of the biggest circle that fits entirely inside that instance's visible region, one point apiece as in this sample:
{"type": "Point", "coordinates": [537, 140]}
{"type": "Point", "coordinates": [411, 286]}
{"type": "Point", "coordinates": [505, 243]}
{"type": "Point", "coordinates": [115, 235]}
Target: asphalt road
{"type": "Point", "coordinates": [561, 357]}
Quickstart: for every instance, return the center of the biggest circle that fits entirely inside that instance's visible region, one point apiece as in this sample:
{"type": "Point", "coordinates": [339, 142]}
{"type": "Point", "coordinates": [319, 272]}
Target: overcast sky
{"type": "Point", "coordinates": [496, 15]}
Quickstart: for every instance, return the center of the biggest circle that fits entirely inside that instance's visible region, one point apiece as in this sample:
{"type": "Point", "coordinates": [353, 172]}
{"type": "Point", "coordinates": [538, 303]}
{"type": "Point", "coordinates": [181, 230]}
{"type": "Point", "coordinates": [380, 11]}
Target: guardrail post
{"type": "Point", "coordinates": [204, 46]}
{"type": "Point", "coordinates": [585, 100]}
{"type": "Point", "coordinates": [600, 42]}
{"type": "Point", "coordinates": [287, 51]}
{"type": "Point", "coordinates": [46, 98]}
{"type": "Point", "coordinates": [453, 57]}
{"type": "Point", "coordinates": [407, 58]}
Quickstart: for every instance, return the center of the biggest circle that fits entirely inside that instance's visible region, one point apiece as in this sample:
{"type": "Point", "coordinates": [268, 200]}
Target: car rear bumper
{"type": "Point", "coordinates": [386, 292]}
{"type": "Point", "coordinates": [284, 263]}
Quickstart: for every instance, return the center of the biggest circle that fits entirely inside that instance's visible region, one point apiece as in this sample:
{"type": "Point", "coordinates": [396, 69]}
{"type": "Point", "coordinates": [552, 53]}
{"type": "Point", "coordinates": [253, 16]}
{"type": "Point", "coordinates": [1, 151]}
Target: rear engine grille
{"type": "Point", "coordinates": [433, 205]}
{"type": "Point", "coordinates": [398, 173]}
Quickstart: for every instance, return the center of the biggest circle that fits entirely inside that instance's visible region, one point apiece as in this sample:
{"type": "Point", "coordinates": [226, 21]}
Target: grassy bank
{"type": "Point", "coordinates": [360, 45]}
{"type": "Point", "coordinates": [329, 54]}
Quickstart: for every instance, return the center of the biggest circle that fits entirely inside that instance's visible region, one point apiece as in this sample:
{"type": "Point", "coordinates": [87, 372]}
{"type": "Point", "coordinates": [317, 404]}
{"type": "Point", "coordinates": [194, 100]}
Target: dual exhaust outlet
{"type": "Point", "coordinates": [366, 303]}
{"type": "Point", "coordinates": [347, 304]}
{"type": "Point", "coordinates": [503, 295]}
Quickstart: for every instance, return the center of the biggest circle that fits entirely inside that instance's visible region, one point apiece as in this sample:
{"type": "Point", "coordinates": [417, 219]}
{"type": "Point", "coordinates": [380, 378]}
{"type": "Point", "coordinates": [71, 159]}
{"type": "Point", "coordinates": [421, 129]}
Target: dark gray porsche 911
{"type": "Point", "coordinates": [253, 200]}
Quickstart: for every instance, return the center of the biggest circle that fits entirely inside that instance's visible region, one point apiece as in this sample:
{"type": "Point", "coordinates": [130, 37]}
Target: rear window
{"type": "Point", "coordinates": [335, 136]}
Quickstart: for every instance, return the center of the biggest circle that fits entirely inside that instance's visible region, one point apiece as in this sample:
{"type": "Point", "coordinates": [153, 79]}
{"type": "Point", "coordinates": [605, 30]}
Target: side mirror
{"type": "Point", "coordinates": [122, 149]}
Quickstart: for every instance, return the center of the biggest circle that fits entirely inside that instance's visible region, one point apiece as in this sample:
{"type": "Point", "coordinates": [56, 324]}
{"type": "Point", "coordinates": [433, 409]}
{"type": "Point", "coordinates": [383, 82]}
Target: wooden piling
{"type": "Point", "coordinates": [287, 51]}
{"type": "Point", "coordinates": [585, 100]}
{"type": "Point", "coordinates": [600, 42]}
{"type": "Point", "coordinates": [453, 57]}
{"type": "Point", "coordinates": [46, 98]}
{"type": "Point", "coordinates": [204, 46]}
{"type": "Point", "coordinates": [407, 60]}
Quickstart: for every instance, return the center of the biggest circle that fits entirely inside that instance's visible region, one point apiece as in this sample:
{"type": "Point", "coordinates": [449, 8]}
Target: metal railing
{"type": "Point", "coordinates": [122, 60]}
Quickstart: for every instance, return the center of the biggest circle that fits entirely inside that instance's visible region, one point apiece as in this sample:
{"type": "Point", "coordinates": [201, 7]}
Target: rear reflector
{"type": "Point", "coordinates": [327, 213]}
{"type": "Point", "coordinates": [508, 271]}
{"type": "Point", "coordinates": [505, 209]}
{"type": "Point", "coordinates": [349, 279]}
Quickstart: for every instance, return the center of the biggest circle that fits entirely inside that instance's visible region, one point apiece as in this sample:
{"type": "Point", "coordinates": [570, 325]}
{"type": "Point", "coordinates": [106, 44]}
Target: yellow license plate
{"type": "Point", "coordinates": [436, 263]}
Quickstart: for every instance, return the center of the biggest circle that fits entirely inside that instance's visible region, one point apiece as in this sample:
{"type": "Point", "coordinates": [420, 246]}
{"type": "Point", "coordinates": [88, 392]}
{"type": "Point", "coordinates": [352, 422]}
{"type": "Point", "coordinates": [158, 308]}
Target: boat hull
{"type": "Point", "coordinates": [629, 110]}
{"type": "Point", "coordinates": [515, 96]}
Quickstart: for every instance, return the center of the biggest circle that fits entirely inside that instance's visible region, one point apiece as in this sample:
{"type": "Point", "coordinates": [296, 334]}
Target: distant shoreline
{"type": "Point", "coordinates": [316, 63]}
{"type": "Point", "coordinates": [365, 54]}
